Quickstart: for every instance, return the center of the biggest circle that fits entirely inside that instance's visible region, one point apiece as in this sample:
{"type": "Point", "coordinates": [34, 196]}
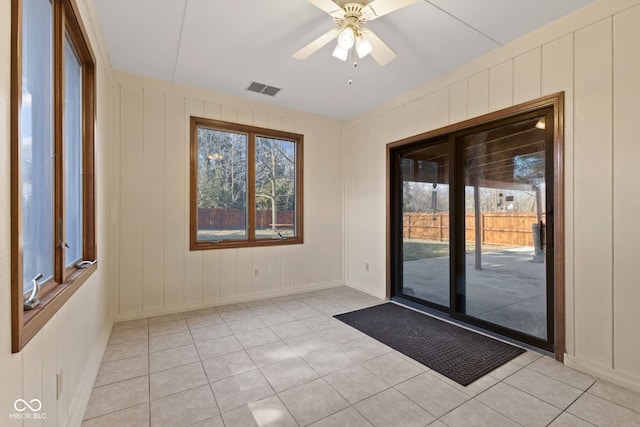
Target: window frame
{"type": "Point", "coordinates": [54, 293]}
{"type": "Point", "coordinates": [252, 133]}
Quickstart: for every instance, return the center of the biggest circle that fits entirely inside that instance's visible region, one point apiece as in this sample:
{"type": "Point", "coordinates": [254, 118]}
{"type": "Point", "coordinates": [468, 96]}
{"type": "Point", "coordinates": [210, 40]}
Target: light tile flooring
{"type": "Point", "coordinates": [286, 362]}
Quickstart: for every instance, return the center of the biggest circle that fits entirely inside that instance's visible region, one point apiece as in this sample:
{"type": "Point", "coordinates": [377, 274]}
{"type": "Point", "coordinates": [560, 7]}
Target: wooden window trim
{"type": "Point", "coordinates": [252, 132]}
{"type": "Point", "coordinates": [56, 292]}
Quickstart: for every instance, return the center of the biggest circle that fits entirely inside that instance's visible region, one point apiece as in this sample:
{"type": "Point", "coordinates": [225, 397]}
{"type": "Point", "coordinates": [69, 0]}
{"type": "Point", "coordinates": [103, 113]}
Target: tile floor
{"type": "Point", "coordinates": [286, 362]}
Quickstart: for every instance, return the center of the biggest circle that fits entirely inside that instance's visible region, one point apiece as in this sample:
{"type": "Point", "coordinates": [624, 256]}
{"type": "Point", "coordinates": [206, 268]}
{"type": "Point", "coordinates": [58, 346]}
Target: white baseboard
{"type": "Point", "coordinates": [381, 295]}
{"type": "Point", "coordinates": [161, 311]}
{"type": "Point", "coordinates": [619, 378]}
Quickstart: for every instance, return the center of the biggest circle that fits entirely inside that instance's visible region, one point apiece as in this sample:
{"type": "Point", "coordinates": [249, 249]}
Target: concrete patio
{"type": "Point", "coordinates": [509, 290]}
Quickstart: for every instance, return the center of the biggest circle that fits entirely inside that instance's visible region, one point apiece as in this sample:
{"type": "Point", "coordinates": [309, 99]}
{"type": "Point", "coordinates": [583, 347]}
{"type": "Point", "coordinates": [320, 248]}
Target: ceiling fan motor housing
{"type": "Point", "coordinates": [353, 17]}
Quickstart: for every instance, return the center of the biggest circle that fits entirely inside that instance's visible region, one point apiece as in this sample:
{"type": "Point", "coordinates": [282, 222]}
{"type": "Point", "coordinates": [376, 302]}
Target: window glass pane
{"type": "Point", "coordinates": [425, 223]}
{"type": "Point", "coordinates": [275, 188]}
{"type": "Point", "coordinates": [222, 185]}
{"type": "Point", "coordinates": [72, 154]}
{"type": "Point", "coordinates": [36, 144]}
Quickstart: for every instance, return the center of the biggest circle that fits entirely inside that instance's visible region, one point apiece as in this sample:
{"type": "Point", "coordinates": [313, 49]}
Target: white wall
{"type": "Point", "coordinates": [72, 342]}
{"type": "Point", "coordinates": [155, 270]}
{"type": "Point", "coordinates": [593, 56]}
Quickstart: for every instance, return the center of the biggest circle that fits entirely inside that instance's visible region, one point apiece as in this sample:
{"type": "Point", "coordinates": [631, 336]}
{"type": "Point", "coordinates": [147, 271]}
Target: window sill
{"type": "Point", "coordinates": [226, 244]}
{"type": "Point", "coordinates": [50, 303]}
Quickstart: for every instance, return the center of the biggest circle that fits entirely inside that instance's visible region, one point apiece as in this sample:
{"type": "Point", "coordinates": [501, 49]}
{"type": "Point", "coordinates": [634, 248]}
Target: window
{"type": "Point", "coordinates": [52, 165]}
{"type": "Point", "coordinates": [246, 186]}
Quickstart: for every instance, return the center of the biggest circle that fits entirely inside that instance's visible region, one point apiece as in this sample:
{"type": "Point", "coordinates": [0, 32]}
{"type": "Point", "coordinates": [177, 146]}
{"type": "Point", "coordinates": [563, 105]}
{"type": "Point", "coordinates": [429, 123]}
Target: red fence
{"type": "Point", "coordinates": [497, 228]}
{"type": "Point", "coordinates": [234, 219]}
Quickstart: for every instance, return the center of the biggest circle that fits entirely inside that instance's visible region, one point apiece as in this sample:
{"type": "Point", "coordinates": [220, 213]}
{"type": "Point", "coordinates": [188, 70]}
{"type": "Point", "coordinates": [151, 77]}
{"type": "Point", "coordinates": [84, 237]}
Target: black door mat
{"type": "Point", "coordinates": [457, 353]}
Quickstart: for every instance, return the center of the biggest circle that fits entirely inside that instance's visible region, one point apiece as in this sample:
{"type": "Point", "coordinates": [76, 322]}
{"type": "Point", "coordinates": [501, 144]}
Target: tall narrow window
{"type": "Point", "coordinates": [36, 142]}
{"type": "Point", "coordinates": [246, 186]}
{"type": "Point", "coordinates": [72, 154]}
{"type": "Point", "coordinates": [52, 179]}
{"type": "Point", "coordinates": [275, 187]}
{"type": "Point", "coordinates": [222, 185]}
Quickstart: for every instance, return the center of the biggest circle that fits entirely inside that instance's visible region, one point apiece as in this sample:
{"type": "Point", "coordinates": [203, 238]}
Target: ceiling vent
{"type": "Point", "coordinates": [263, 89]}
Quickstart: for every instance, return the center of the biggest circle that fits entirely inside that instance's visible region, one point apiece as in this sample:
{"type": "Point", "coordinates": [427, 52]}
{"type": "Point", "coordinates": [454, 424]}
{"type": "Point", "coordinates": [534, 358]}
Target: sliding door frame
{"type": "Point", "coordinates": [555, 102]}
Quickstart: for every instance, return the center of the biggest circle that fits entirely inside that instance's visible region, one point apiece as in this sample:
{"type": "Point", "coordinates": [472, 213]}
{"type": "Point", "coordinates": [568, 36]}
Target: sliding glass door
{"type": "Point", "coordinates": [472, 225]}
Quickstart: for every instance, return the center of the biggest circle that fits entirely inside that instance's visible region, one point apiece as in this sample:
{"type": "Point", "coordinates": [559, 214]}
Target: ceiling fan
{"type": "Point", "coordinates": [350, 17]}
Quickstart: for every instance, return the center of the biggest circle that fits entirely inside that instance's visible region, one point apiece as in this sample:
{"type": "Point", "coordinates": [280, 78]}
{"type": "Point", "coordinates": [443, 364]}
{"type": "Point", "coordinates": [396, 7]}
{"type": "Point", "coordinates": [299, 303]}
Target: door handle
{"type": "Point", "coordinates": [541, 230]}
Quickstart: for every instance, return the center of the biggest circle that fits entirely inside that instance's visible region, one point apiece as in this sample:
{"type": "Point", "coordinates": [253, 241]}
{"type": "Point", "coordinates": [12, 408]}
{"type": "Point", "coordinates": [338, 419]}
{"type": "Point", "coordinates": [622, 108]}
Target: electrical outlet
{"type": "Point", "coordinates": [255, 272]}
{"type": "Point", "coordinates": [366, 266]}
{"type": "Point", "coordinates": [58, 385]}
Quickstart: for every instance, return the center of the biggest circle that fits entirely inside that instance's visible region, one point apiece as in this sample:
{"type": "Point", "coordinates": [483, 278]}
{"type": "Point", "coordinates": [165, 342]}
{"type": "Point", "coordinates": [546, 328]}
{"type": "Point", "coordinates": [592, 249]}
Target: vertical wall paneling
{"type": "Point", "coordinates": [300, 266]}
{"type": "Point", "coordinates": [131, 196]}
{"type": "Point", "coordinates": [260, 271]}
{"type": "Point", "coordinates": [11, 365]}
{"type": "Point", "coordinates": [334, 170]}
{"type": "Point", "coordinates": [274, 121]}
{"type": "Point", "coordinates": [626, 202]}
{"type": "Point", "coordinates": [287, 268]}
{"type": "Point", "coordinates": [63, 363]}
{"type": "Point", "coordinates": [312, 167]}
{"type": "Point", "coordinates": [212, 110]}
{"type": "Point", "coordinates": [245, 116]}
{"type": "Point", "coordinates": [153, 201]}
{"type": "Point", "coordinates": [366, 194]}
{"type": "Point", "coordinates": [32, 374]}
{"type": "Point", "coordinates": [274, 268]}
{"type": "Point", "coordinates": [244, 273]}
{"type": "Point", "coordinates": [458, 101]}
{"type": "Point", "coordinates": [478, 94]}
{"type": "Point", "coordinates": [325, 208]}
{"type": "Point", "coordinates": [501, 86]}
{"type": "Point", "coordinates": [211, 276]}
{"type": "Point", "coordinates": [441, 108]}
{"type": "Point", "coordinates": [375, 195]}
{"type": "Point", "coordinates": [260, 119]}
{"type": "Point", "coordinates": [49, 371]}
{"type": "Point", "coordinates": [409, 120]}
{"type": "Point", "coordinates": [193, 274]}
{"type": "Point", "coordinates": [593, 192]}
{"type": "Point", "coordinates": [228, 273]}
{"type": "Point", "coordinates": [114, 197]}
{"type": "Point", "coordinates": [557, 76]}
{"type": "Point", "coordinates": [175, 240]}
{"type": "Point", "coordinates": [526, 76]}
{"type": "Point", "coordinates": [229, 113]}
{"type": "Point", "coordinates": [434, 111]}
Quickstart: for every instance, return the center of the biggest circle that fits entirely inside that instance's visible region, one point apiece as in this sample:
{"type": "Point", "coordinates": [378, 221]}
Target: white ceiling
{"type": "Point", "coordinates": [224, 45]}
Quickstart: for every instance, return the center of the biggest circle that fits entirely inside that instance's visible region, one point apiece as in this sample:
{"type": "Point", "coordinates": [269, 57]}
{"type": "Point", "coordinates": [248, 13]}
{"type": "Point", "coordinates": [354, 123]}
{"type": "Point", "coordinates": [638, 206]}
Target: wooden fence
{"type": "Point", "coordinates": [235, 219]}
{"type": "Point", "coordinates": [497, 228]}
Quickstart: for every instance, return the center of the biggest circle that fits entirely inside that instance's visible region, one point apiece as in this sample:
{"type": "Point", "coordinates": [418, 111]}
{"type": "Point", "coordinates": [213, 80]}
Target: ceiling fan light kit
{"type": "Point", "coordinates": [350, 17]}
{"type": "Point", "coordinates": [340, 53]}
{"type": "Point", "coordinates": [347, 38]}
{"type": "Point", "coordinates": [363, 47]}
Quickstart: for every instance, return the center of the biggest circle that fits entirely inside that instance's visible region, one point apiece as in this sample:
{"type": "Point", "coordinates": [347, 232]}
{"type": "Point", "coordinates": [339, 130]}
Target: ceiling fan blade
{"type": "Point", "coordinates": [328, 6]}
{"type": "Point", "coordinates": [381, 52]}
{"type": "Point", "coordinates": [315, 45]}
{"type": "Point", "coordinates": [378, 8]}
